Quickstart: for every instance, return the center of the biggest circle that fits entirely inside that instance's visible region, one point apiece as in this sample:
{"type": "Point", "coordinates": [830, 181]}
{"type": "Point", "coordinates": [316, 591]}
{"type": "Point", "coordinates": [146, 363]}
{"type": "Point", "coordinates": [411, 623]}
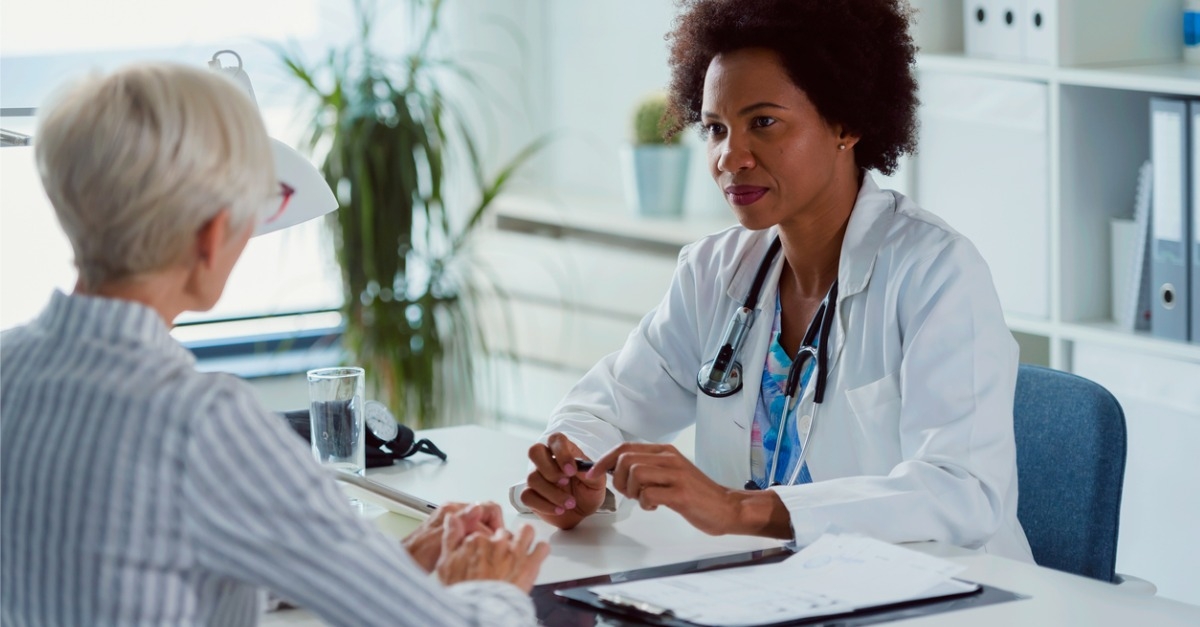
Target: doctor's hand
{"type": "Point", "coordinates": [556, 491]}
{"type": "Point", "coordinates": [659, 475]}
{"type": "Point", "coordinates": [424, 544]}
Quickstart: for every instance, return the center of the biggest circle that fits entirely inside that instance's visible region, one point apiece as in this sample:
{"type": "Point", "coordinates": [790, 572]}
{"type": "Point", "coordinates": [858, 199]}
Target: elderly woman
{"type": "Point", "coordinates": [139, 491]}
{"type": "Point", "coordinates": [842, 353]}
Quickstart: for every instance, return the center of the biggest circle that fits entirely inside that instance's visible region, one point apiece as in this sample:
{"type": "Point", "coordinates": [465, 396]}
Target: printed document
{"type": "Point", "coordinates": [834, 575]}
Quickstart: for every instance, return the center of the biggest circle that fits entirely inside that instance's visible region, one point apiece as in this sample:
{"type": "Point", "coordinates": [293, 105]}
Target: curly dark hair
{"type": "Point", "coordinates": [853, 58]}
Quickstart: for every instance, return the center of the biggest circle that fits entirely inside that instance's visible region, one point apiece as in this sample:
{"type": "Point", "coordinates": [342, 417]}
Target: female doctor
{"type": "Point", "coordinates": [842, 352]}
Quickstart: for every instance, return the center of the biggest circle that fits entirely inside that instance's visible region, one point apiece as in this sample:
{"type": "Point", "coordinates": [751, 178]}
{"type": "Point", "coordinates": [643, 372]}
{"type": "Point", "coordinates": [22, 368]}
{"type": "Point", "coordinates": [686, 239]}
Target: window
{"type": "Point", "coordinates": [286, 283]}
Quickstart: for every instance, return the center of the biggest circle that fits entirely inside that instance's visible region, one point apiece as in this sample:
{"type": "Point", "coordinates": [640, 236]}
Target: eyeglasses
{"type": "Point", "coordinates": [285, 192]}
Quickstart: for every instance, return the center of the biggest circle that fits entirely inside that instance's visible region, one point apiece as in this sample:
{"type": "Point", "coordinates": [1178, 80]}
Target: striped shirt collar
{"type": "Point", "coordinates": [115, 321]}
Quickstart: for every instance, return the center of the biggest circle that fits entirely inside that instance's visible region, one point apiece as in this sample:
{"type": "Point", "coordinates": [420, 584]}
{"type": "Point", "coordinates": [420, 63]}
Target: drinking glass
{"type": "Point", "coordinates": [338, 437]}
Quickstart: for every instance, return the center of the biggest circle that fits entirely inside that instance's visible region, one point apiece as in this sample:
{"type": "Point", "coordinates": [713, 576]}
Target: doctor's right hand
{"type": "Point", "coordinates": [556, 490]}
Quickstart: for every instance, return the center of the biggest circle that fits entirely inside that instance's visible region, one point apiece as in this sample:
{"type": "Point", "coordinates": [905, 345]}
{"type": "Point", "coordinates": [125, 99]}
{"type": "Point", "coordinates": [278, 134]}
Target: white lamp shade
{"type": "Point", "coordinates": [311, 196]}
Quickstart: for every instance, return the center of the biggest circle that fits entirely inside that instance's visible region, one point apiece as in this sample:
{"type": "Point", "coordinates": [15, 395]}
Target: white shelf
{"type": "Point", "coordinates": [1170, 78]}
{"type": "Point", "coordinates": [1108, 333]}
{"type": "Point", "coordinates": [962, 64]}
{"type": "Point", "coordinates": [1030, 326]}
{"type": "Point", "coordinates": [606, 218]}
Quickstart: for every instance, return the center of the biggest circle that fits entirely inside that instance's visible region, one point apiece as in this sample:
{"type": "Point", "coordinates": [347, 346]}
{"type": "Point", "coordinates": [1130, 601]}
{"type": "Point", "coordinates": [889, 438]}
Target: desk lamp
{"type": "Point", "coordinates": [310, 194]}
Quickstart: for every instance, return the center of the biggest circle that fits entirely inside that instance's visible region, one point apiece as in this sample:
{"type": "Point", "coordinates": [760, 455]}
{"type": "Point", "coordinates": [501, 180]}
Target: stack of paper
{"type": "Point", "coordinates": [834, 575]}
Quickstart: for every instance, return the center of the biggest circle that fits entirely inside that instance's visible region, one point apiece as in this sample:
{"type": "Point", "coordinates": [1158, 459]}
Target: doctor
{"type": "Point", "coordinates": [842, 352]}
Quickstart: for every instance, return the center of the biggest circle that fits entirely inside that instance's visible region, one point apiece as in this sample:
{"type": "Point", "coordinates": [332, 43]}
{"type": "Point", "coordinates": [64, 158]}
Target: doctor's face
{"type": "Point", "coordinates": [769, 150]}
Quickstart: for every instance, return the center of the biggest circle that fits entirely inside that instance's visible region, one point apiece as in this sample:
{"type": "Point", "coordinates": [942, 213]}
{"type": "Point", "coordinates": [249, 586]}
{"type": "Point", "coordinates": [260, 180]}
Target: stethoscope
{"type": "Point", "coordinates": [722, 375]}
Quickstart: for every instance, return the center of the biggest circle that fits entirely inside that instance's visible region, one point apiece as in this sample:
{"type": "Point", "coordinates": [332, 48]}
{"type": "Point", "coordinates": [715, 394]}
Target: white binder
{"type": "Point", "coordinates": [1040, 19]}
{"type": "Point", "coordinates": [1170, 214]}
{"type": "Point", "coordinates": [1194, 297]}
{"type": "Point", "coordinates": [980, 28]}
{"type": "Point", "coordinates": [1010, 29]}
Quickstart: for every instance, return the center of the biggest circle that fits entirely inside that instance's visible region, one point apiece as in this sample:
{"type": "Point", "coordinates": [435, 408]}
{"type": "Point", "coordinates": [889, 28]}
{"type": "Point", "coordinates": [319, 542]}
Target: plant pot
{"type": "Point", "coordinates": [655, 177]}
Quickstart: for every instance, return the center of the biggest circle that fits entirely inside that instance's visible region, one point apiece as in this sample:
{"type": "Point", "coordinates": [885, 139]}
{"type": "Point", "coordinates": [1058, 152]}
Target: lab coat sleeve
{"type": "Point", "coordinates": [646, 391]}
{"type": "Point", "coordinates": [956, 381]}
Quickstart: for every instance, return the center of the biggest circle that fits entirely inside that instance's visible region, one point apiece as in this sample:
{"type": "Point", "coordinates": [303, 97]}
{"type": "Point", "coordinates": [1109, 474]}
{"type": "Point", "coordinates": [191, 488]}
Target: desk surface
{"type": "Point", "coordinates": [483, 463]}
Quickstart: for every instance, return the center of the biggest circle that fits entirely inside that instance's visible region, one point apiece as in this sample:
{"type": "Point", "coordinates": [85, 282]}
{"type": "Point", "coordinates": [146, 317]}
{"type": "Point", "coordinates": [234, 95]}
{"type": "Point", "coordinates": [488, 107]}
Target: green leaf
{"type": "Point", "coordinates": [396, 149]}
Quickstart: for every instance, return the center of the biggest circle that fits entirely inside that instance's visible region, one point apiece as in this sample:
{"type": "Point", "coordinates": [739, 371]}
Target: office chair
{"type": "Point", "coordinates": [1070, 435]}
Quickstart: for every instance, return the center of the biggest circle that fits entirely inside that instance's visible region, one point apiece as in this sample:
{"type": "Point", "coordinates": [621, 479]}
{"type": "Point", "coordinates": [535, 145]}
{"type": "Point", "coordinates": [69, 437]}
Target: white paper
{"type": "Point", "coordinates": [835, 574]}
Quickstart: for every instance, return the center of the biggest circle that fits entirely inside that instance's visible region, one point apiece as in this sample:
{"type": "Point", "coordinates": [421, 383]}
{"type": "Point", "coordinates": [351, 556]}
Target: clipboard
{"type": "Point", "coordinates": [572, 603]}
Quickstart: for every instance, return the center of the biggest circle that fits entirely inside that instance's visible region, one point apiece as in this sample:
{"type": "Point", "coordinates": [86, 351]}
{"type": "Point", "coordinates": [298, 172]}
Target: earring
{"type": "Point", "coordinates": [841, 146]}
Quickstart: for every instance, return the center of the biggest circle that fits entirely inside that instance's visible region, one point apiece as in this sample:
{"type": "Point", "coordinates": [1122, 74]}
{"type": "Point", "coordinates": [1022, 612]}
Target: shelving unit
{"type": "Point", "coordinates": [1089, 127]}
{"type": "Point", "coordinates": [1100, 117]}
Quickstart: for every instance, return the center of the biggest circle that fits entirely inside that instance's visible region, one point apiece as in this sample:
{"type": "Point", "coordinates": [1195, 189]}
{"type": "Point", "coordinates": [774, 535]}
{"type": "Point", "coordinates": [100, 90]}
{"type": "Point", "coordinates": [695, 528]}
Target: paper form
{"type": "Point", "coordinates": [835, 574]}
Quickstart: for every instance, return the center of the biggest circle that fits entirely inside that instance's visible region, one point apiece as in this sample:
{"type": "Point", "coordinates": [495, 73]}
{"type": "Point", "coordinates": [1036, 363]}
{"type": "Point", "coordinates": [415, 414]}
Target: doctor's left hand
{"type": "Point", "coordinates": [659, 475]}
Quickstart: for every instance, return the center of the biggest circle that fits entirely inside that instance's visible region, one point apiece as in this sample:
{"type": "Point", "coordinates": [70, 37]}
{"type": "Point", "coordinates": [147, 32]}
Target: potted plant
{"type": "Point", "coordinates": [397, 148]}
{"type": "Point", "coordinates": [655, 166]}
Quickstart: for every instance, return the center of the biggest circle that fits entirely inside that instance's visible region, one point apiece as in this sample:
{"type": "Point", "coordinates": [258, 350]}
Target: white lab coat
{"type": "Point", "coordinates": [914, 439]}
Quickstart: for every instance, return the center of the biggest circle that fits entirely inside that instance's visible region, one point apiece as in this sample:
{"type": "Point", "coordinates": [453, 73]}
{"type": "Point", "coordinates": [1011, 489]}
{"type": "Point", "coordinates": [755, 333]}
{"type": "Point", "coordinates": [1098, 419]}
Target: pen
{"type": "Point", "coordinates": [585, 465]}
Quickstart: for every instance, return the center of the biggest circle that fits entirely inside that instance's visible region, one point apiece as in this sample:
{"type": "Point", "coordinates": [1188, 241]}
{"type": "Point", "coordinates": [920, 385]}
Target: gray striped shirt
{"type": "Point", "coordinates": [135, 490]}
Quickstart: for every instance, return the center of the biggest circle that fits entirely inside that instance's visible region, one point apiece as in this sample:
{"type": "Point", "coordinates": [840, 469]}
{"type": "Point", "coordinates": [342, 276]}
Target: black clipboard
{"type": "Point", "coordinates": [570, 603]}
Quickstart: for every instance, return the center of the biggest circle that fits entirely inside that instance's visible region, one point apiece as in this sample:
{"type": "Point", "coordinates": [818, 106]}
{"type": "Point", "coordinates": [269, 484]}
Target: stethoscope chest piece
{"type": "Point", "coordinates": [718, 386]}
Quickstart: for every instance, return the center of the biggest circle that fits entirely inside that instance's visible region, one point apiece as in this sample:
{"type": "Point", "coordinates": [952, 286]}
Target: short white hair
{"type": "Point", "coordinates": [136, 161]}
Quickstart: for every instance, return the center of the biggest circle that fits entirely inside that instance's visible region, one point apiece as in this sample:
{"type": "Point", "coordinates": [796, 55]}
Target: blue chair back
{"type": "Point", "coordinates": [1070, 435]}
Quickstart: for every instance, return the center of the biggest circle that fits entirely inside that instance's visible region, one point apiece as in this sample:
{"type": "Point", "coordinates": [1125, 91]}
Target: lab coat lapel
{"type": "Point", "coordinates": [723, 424]}
{"type": "Point", "coordinates": [869, 224]}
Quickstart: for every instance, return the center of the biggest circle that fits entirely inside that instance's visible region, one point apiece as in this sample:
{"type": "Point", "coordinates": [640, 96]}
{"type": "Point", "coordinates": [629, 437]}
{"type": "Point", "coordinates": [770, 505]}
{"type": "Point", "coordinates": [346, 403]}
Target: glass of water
{"type": "Point", "coordinates": [338, 437]}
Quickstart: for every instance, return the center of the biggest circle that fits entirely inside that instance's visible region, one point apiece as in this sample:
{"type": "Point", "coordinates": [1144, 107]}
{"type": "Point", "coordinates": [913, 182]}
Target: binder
{"type": "Point", "coordinates": [1040, 20]}
{"type": "Point", "coordinates": [1138, 316]}
{"type": "Point", "coordinates": [980, 33]}
{"type": "Point", "coordinates": [1010, 29]}
{"type": "Point", "coordinates": [1170, 214]}
{"type": "Point", "coordinates": [1194, 297]}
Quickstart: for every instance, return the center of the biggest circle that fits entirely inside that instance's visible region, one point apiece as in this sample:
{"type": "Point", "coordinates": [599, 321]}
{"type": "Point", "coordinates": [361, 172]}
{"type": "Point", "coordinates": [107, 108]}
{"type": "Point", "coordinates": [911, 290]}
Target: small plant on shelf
{"type": "Point", "coordinates": [655, 166]}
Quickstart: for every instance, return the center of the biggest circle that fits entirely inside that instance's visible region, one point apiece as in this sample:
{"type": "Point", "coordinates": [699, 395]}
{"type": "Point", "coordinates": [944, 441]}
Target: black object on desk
{"type": "Point", "coordinates": [567, 604]}
{"type": "Point", "coordinates": [379, 451]}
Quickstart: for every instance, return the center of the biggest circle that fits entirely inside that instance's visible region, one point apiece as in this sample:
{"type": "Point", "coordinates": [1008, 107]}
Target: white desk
{"type": "Point", "coordinates": [483, 463]}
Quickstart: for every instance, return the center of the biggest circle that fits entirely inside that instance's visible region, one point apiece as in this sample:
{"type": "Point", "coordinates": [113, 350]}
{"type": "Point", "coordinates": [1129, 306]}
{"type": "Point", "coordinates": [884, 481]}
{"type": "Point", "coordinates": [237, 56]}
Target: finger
{"type": "Point", "coordinates": [524, 539]}
{"type": "Point", "coordinates": [564, 451]}
{"type": "Point", "coordinates": [626, 461]}
{"type": "Point", "coordinates": [491, 516]}
{"type": "Point", "coordinates": [538, 503]}
{"type": "Point", "coordinates": [450, 507]}
{"type": "Point", "coordinates": [529, 567]}
{"type": "Point", "coordinates": [541, 551]}
{"type": "Point", "coordinates": [453, 534]}
{"type": "Point", "coordinates": [470, 518]}
{"type": "Point", "coordinates": [643, 476]}
{"type": "Point", "coordinates": [559, 498]}
{"type": "Point", "coordinates": [608, 461]}
{"type": "Point", "coordinates": [546, 465]}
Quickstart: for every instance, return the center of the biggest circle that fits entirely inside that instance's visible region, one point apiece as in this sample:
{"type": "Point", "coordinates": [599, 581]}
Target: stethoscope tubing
{"type": "Point", "coordinates": [714, 376]}
{"type": "Point", "coordinates": [791, 389]}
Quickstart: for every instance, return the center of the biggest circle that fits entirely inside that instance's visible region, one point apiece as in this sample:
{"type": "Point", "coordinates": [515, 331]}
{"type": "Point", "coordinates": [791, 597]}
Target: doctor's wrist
{"type": "Point", "coordinates": [761, 513]}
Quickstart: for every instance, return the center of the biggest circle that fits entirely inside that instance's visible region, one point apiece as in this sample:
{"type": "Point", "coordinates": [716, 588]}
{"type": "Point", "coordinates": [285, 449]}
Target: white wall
{"type": "Point", "coordinates": [574, 70]}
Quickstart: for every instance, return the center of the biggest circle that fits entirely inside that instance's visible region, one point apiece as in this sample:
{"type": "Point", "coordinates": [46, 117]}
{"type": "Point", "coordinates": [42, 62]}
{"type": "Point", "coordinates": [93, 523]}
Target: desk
{"type": "Point", "coordinates": [483, 463]}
